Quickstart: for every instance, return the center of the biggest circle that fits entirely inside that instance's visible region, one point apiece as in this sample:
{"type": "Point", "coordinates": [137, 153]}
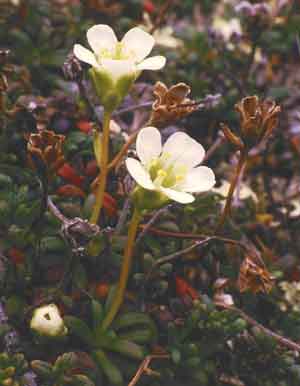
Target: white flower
{"type": "Point", "coordinates": [170, 169]}
{"type": "Point", "coordinates": [116, 58]}
{"type": "Point", "coordinates": [47, 321]}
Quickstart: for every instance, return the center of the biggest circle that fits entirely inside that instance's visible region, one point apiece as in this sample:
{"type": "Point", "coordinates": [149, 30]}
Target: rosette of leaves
{"type": "Point", "coordinates": [62, 373]}
{"type": "Point", "coordinates": [12, 369]}
{"type": "Point", "coordinates": [112, 350]}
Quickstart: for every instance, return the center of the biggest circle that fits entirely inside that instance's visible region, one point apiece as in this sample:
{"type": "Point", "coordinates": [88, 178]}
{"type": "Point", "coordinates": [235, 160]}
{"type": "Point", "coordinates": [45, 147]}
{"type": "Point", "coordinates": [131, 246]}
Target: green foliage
{"type": "Point", "coordinates": [61, 372]}
{"type": "Point", "coordinates": [12, 369]}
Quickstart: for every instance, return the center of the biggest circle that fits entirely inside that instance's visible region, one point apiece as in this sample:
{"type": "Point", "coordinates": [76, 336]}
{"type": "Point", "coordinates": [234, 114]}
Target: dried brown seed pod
{"type": "Point", "coordinates": [257, 119]}
{"type": "Point", "coordinates": [254, 277]}
{"type": "Point", "coordinates": [171, 104]}
{"type": "Point", "coordinates": [45, 149]}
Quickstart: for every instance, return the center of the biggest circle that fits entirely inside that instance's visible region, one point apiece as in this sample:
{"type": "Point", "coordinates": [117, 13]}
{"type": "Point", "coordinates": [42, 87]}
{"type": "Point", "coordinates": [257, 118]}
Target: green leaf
{"type": "Point", "coordinates": [97, 310]}
{"type": "Point", "coordinates": [122, 346]}
{"type": "Point", "coordinates": [110, 297]}
{"type": "Point", "coordinates": [65, 362]}
{"type": "Point", "coordinates": [42, 368]}
{"type": "Point", "coordinates": [131, 318]}
{"type": "Point", "coordinates": [80, 329]}
{"type": "Point", "coordinates": [82, 380]}
{"type": "Point", "coordinates": [110, 370]}
{"type": "Point", "coordinates": [144, 335]}
{"type": "Point", "coordinates": [176, 356]}
{"type": "Point", "coordinates": [79, 276]}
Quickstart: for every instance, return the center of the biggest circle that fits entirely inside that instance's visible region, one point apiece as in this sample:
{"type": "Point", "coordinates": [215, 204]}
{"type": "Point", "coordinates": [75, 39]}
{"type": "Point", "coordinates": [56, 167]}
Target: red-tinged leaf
{"type": "Point", "coordinates": [84, 126]}
{"type": "Point", "coordinates": [69, 173]}
{"type": "Point", "coordinates": [91, 169]}
{"type": "Point", "coordinates": [110, 205]}
{"type": "Point", "coordinates": [183, 288]}
{"type": "Point", "coordinates": [148, 6]}
{"type": "Point", "coordinates": [70, 191]}
{"type": "Point", "coordinates": [16, 255]}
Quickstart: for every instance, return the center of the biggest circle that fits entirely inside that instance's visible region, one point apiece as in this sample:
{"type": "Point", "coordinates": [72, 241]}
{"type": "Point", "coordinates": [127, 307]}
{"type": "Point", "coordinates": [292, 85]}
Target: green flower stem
{"type": "Point", "coordinates": [227, 208]}
{"type": "Point", "coordinates": [104, 171]}
{"type": "Point", "coordinates": [125, 270]}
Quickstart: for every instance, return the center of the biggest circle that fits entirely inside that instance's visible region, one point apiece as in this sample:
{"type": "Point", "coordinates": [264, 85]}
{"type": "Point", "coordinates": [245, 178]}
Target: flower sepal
{"type": "Point", "coordinates": [147, 200]}
{"type": "Point", "coordinates": [111, 92]}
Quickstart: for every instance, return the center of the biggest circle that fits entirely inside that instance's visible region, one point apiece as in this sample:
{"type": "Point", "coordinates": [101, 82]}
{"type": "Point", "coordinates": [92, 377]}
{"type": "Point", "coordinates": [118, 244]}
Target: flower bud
{"type": "Point", "coordinates": [148, 199]}
{"type": "Point", "coordinates": [111, 91]}
{"type": "Point", "coordinates": [47, 321]}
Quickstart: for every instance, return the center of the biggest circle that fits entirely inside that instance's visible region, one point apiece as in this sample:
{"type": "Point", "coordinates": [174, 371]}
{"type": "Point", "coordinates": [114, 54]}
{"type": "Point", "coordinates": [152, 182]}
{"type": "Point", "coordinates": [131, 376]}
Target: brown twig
{"type": "Point", "coordinates": [218, 142]}
{"type": "Point", "coordinates": [227, 208]}
{"type": "Point", "coordinates": [144, 367]}
{"type": "Point", "coordinates": [153, 219]}
{"type": "Point", "coordinates": [279, 338]}
{"type": "Point", "coordinates": [132, 108]}
{"type": "Point", "coordinates": [176, 255]}
{"type": "Point", "coordinates": [193, 236]}
{"type": "Point", "coordinates": [161, 15]}
{"type": "Point", "coordinates": [115, 162]}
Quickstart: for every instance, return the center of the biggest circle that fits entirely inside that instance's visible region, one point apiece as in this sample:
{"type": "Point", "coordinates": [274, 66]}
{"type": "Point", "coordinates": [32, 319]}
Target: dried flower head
{"type": "Point", "coordinates": [72, 68]}
{"type": "Point", "coordinates": [171, 104]}
{"type": "Point", "coordinates": [257, 121]}
{"type": "Point", "coordinates": [45, 150]}
{"type": "Point", "coordinates": [254, 277]}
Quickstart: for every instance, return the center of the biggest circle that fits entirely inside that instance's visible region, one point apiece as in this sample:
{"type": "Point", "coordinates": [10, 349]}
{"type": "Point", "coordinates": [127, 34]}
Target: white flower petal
{"type": "Point", "coordinates": [118, 68]}
{"type": "Point", "coordinates": [153, 63]}
{"type": "Point", "coordinates": [101, 37]}
{"type": "Point", "coordinates": [181, 149]}
{"type": "Point", "coordinates": [85, 55]}
{"type": "Point", "coordinates": [198, 180]}
{"type": "Point", "coordinates": [148, 144]}
{"type": "Point", "coordinates": [138, 43]}
{"type": "Point", "coordinates": [175, 195]}
{"type": "Point", "coordinates": [139, 174]}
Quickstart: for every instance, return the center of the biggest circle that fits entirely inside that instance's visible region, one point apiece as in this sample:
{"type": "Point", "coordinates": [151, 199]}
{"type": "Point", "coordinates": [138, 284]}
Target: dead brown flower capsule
{"type": "Point", "coordinates": [171, 104]}
{"type": "Point", "coordinates": [254, 277]}
{"type": "Point", "coordinates": [257, 119]}
{"type": "Point", "coordinates": [45, 151]}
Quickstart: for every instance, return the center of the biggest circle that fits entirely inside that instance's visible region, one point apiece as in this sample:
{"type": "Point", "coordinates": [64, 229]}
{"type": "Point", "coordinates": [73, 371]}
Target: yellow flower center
{"type": "Point", "coordinates": [117, 53]}
{"type": "Point", "coordinates": [164, 174]}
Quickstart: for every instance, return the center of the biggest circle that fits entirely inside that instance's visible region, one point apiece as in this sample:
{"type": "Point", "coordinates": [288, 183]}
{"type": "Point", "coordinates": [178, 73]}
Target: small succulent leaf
{"type": "Point", "coordinates": [80, 329]}
{"type": "Point", "coordinates": [110, 370]}
{"type": "Point", "coordinates": [65, 362]}
{"type": "Point", "coordinates": [110, 297]}
{"type": "Point", "coordinates": [122, 346]}
{"type": "Point", "coordinates": [130, 319]}
{"type": "Point", "coordinates": [42, 368]}
{"type": "Point", "coordinates": [97, 310]}
{"type": "Point", "coordinates": [138, 336]}
{"type": "Point", "coordinates": [82, 380]}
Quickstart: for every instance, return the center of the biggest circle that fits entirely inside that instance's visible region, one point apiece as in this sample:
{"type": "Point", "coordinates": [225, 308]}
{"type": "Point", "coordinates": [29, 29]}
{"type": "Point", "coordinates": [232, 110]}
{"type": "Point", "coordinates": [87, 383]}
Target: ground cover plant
{"type": "Point", "coordinates": [149, 192]}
